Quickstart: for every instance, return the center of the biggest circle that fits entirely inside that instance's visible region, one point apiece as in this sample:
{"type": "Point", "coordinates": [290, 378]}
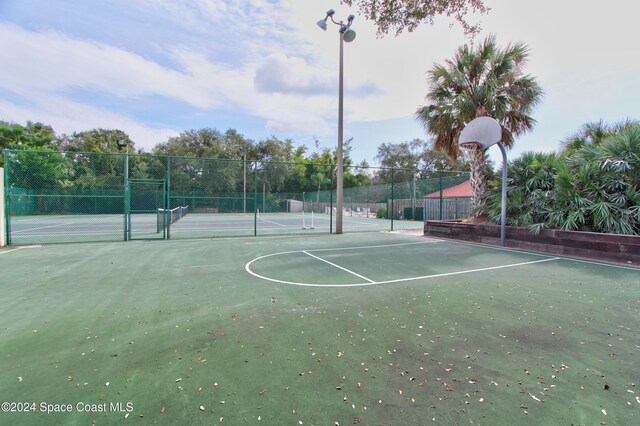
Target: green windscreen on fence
{"type": "Point", "coordinates": [54, 196]}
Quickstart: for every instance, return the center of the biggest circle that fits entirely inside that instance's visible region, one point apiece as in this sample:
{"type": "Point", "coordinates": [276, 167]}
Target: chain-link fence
{"type": "Point", "coordinates": [54, 196]}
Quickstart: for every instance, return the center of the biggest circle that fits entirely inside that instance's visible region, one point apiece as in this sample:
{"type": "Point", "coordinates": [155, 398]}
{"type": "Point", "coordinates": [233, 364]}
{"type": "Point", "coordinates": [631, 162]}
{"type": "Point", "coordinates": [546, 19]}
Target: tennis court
{"type": "Point", "coordinates": [41, 229]}
{"type": "Point", "coordinates": [315, 329]}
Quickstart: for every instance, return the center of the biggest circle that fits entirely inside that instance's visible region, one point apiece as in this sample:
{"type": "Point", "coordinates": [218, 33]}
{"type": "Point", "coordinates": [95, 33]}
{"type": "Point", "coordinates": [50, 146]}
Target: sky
{"type": "Point", "coordinates": [156, 68]}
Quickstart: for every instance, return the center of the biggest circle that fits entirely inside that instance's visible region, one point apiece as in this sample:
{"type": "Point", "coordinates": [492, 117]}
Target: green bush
{"type": "Point", "coordinates": [595, 187]}
{"type": "Point", "coordinates": [381, 213]}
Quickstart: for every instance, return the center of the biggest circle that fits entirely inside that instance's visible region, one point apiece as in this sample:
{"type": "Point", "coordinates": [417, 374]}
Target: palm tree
{"type": "Point", "coordinates": [480, 81]}
{"type": "Point", "coordinates": [593, 134]}
{"type": "Point", "coordinates": [319, 179]}
{"type": "Point", "coordinates": [530, 192]}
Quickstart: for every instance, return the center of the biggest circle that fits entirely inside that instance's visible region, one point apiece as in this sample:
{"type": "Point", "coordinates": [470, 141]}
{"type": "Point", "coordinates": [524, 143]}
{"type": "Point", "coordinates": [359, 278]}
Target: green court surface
{"type": "Point", "coordinates": [315, 329]}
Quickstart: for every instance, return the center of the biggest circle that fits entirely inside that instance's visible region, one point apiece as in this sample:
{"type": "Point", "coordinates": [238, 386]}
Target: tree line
{"type": "Point", "coordinates": [284, 166]}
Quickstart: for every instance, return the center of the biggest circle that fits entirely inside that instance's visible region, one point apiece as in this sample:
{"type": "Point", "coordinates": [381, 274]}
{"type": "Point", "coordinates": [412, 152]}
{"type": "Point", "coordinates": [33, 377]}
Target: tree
{"type": "Point", "coordinates": [484, 80]}
{"type": "Point", "coordinates": [319, 179]}
{"type": "Point", "coordinates": [592, 134]}
{"type": "Point", "coordinates": [95, 140]}
{"type": "Point", "coordinates": [31, 136]}
{"type": "Point", "coordinates": [594, 187]}
{"type": "Point", "coordinates": [531, 182]}
{"type": "Point", "coordinates": [398, 15]}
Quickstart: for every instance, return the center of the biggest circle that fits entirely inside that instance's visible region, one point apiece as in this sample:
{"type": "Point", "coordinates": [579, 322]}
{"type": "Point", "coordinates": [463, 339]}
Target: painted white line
{"type": "Point", "coordinates": [468, 271]}
{"type": "Point", "coordinates": [19, 248]}
{"type": "Point", "coordinates": [591, 262]}
{"type": "Point", "coordinates": [42, 227]}
{"type": "Point", "coordinates": [275, 223]}
{"type": "Point", "coordinates": [542, 254]}
{"type": "Point", "coordinates": [370, 282]}
{"type": "Point", "coordinates": [9, 251]}
{"type": "Point", "coordinates": [431, 241]}
{"type": "Point", "coordinates": [338, 266]}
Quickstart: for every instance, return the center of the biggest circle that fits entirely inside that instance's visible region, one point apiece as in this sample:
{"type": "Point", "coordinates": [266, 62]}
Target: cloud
{"type": "Point", "coordinates": [68, 116]}
{"type": "Point", "coordinates": [50, 62]}
{"type": "Point", "coordinates": [283, 74]}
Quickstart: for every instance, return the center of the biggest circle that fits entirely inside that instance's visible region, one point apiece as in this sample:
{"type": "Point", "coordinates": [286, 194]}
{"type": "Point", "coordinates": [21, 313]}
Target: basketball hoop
{"type": "Point", "coordinates": [471, 146]}
{"type": "Point", "coordinates": [480, 133]}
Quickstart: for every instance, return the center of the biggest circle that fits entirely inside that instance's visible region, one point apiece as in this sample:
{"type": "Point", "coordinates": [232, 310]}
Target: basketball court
{"type": "Point", "coordinates": [314, 329]}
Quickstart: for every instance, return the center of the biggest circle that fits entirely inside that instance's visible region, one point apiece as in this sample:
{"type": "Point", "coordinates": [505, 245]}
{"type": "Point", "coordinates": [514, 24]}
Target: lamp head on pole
{"type": "Point", "coordinates": [347, 33]}
{"type": "Point", "coordinates": [323, 22]}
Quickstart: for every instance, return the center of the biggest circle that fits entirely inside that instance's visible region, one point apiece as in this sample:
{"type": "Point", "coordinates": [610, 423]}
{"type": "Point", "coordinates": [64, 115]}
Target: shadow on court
{"type": "Point", "coordinates": [315, 329]}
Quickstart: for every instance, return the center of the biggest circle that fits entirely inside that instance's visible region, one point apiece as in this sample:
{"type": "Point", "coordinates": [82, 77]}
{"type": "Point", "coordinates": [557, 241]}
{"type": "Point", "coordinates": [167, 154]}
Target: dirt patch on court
{"type": "Point", "coordinates": [538, 339]}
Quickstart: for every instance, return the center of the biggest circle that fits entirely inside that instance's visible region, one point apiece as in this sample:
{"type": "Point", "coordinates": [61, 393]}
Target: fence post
{"type": "Point", "coordinates": [127, 197]}
{"type": "Point", "coordinates": [168, 195]}
{"type": "Point", "coordinates": [7, 196]}
{"type": "Point", "coordinates": [255, 199]}
{"type": "Point", "coordinates": [441, 173]}
{"type": "Point", "coordinates": [2, 213]}
{"type": "Point", "coordinates": [392, 209]}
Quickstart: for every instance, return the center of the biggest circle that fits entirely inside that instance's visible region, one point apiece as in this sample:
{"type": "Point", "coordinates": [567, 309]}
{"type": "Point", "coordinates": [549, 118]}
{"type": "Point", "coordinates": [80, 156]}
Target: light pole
{"type": "Point", "coordinates": [348, 35]}
{"type": "Point", "coordinates": [481, 133]}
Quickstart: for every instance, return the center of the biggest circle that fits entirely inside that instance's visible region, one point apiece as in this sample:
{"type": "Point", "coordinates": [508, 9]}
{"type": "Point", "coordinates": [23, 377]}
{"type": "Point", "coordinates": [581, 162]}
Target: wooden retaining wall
{"type": "Point", "coordinates": [623, 249]}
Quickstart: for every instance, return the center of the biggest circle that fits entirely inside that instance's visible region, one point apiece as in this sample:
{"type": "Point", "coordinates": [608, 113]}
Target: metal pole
{"type": "Point", "coordinates": [255, 200]}
{"type": "Point", "coordinates": [168, 195]}
{"type": "Point", "coordinates": [127, 197]}
{"type": "Point", "coordinates": [339, 186]}
{"type": "Point", "coordinates": [244, 184]}
{"type": "Point", "coordinates": [393, 207]}
{"type": "Point", "coordinates": [503, 216]}
{"type": "Point", "coordinates": [441, 215]}
{"type": "Point", "coordinates": [7, 195]}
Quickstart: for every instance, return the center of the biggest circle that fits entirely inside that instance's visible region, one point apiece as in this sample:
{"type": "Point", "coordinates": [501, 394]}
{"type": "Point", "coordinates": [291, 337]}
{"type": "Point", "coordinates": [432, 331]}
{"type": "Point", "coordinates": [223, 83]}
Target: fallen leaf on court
{"type": "Point", "coordinates": [177, 380]}
{"type": "Point", "coordinates": [202, 408]}
{"type": "Point", "coordinates": [604, 411]}
{"type": "Point", "coordinates": [535, 398]}
{"type": "Point", "coordinates": [162, 409]}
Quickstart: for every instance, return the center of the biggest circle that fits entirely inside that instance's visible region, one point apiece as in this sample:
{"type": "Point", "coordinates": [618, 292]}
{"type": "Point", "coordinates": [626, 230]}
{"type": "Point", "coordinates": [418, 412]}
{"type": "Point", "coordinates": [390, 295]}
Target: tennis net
{"type": "Point", "coordinates": [167, 217]}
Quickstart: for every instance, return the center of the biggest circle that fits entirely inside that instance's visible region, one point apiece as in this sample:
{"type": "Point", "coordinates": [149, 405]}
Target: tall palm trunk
{"type": "Point", "coordinates": [478, 180]}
